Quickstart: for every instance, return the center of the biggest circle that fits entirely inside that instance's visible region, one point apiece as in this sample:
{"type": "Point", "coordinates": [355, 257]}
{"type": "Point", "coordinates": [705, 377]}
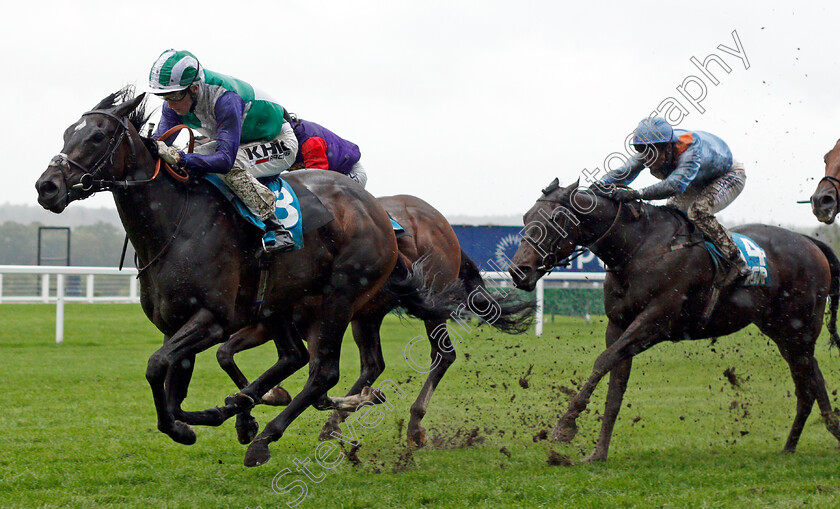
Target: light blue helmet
{"type": "Point", "coordinates": [653, 130]}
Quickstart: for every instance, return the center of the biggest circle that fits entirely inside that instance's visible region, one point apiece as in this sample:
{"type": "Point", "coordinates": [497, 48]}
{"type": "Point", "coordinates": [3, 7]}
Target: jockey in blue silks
{"type": "Point", "coordinates": [698, 176]}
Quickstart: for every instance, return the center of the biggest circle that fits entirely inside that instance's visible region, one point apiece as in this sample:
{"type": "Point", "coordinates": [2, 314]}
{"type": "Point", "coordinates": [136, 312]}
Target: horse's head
{"type": "Point", "coordinates": [825, 202]}
{"type": "Point", "coordinates": [97, 151]}
{"type": "Point", "coordinates": [552, 232]}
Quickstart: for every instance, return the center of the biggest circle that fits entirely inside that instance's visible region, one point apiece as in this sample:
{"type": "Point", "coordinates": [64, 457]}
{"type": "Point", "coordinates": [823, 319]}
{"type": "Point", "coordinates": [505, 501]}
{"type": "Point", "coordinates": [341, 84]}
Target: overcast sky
{"type": "Point", "coordinates": [472, 106]}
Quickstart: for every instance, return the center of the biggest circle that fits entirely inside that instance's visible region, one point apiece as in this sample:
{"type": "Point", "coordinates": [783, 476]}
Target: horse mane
{"type": "Point", "coordinates": [138, 117]}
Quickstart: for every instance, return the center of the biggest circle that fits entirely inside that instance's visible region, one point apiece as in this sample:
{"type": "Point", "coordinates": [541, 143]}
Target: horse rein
{"type": "Point", "coordinates": [549, 261]}
{"type": "Point", "coordinates": [88, 180]}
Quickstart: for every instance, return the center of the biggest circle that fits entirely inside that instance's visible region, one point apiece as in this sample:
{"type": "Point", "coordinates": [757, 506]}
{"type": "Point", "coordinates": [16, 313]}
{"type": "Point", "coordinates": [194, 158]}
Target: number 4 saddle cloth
{"type": "Point", "coordinates": [752, 253]}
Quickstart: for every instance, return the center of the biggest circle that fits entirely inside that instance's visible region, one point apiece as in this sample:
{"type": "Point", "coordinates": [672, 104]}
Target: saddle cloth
{"type": "Point", "coordinates": [292, 204]}
{"type": "Point", "coordinates": [752, 253]}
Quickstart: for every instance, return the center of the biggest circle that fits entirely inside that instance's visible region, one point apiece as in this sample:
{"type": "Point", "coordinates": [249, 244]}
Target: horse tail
{"type": "Point", "coordinates": [408, 288]}
{"type": "Point", "coordinates": [505, 311]}
{"type": "Point", "coordinates": [834, 289]}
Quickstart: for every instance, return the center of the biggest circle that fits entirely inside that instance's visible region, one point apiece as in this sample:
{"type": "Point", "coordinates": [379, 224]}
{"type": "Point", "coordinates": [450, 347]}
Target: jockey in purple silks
{"type": "Point", "coordinates": [322, 149]}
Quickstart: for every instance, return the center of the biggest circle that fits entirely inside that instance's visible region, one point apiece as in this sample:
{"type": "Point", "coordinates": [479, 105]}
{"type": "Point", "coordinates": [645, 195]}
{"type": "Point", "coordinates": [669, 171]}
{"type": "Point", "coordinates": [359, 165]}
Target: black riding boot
{"type": "Point", "coordinates": [737, 269]}
{"type": "Point", "coordinates": [284, 241]}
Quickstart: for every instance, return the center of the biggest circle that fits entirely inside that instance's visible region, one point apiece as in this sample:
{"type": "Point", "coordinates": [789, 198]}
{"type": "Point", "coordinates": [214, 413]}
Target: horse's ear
{"type": "Point", "coordinates": [575, 185]}
{"type": "Point", "coordinates": [127, 107]}
{"type": "Point", "coordinates": [551, 187]}
{"type": "Point", "coordinates": [106, 103]}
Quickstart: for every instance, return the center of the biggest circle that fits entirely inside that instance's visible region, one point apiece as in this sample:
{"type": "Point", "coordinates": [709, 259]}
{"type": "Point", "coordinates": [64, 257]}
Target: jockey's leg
{"type": "Point", "coordinates": [712, 199]}
{"type": "Point", "coordinates": [260, 201]}
{"type": "Point", "coordinates": [358, 174]}
{"type": "Point", "coordinates": [264, 159]}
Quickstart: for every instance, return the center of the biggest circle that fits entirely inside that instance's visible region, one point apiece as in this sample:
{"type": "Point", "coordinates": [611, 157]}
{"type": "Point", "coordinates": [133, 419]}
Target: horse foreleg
{"type": "Point", "coordinates": [639, 336]}
{"type": "Point", "coordinates": [619, 376]}
{"type": "Point", "coordinates": [199, 333]}
{"type": "Point", "coordinates": [366, 335]}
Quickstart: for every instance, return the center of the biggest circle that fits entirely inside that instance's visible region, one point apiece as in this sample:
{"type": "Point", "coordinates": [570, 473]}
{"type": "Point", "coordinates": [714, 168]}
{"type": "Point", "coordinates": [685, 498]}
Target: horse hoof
{"type": "Point", "coordinates": [257, 454]}
{"type": "Point", "coordinates": [565, 431]}
{"type": "Point", "coordinates": [594, 458]}
{"type": "Point", "coordinates": [246, 429]}
{"type": "Point", "coordinates": [417, 438]}
{"type": "Point", "coordinates": [277, 396]}
{"type": "Point", "coordinates": [327, 432]}
{"type": "Point", "coordinates": [240, 401]}
{"type": "Point", "coordinates": [182, 433]}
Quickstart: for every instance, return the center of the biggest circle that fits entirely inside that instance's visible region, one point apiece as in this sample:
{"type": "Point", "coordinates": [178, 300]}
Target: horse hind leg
{"type": "Point", "coordinates": [366, 335]}
{"type": "Point", "coordinates": [802, 374]}
{"type": "Point", "coordinates": [244, 339]}
{"type": "Point", "coordinates": [443, 355]}
{"type": "Point", "coordinates": [829, 415]}
{"type": "Point", "coordinates": [324, 354]}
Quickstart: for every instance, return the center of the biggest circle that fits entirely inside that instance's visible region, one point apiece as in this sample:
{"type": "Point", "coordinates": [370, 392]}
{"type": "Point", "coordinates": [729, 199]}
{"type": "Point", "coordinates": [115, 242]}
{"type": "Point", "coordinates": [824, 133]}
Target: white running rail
{"type": "Point", "coordinates": [114, 286]}
{"type": "Point", "coordinates": [121, 286]}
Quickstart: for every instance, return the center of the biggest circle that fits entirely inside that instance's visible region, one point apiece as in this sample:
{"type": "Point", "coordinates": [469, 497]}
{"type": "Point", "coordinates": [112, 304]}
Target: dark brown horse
{"type": "Point", "coordinates": [825, 202]}
{"type": "Point", "coordinates": [431, 249]}
{"type": "Point", "coordinates": [658, 286]}
{"type": "Point", "coordinates": [198, 275]}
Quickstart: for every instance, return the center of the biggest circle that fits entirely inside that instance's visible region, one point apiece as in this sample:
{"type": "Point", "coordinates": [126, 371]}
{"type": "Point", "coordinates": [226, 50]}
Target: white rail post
{"type": "Point", "coordinates": [89, 289]}
{"type": "Point", "coordinates": [132, 289]}
{"type": "Point", "coordinates": [540, 304]}
{"type": "Point", "coordinates": [1, 287]}
{"type": "Point", "coordinates": [59, 309]}
{"type": "Point", "coordinates": [45, 287]}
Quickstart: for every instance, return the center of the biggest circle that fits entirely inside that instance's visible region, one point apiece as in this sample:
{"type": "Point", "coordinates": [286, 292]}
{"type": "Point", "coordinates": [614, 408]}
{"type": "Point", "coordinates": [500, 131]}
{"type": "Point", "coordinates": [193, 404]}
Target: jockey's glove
{"type": "Point", "coordinates": [623, 194]}
{"type": "Point", "coordinates": [169, 154]}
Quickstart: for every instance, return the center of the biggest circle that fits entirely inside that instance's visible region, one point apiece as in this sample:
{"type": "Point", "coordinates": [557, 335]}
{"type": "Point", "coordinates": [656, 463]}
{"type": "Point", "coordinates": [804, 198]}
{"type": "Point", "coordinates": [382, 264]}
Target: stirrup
{"type": "Point", "coordinates": [286, 244]}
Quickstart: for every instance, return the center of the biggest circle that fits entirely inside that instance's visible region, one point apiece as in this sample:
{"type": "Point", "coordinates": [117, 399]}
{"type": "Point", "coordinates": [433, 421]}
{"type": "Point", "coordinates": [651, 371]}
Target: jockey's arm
{"type": "Point", "coordinates": [168, 120]}
{"type": "Point", "coordinates": [688, 165]}
{"type": "Point", "coordinates": [229, 110]}
{"type": "Point", "coordinates": [314, 151]}
{"type": "Point", "coordinates": [625, 174]}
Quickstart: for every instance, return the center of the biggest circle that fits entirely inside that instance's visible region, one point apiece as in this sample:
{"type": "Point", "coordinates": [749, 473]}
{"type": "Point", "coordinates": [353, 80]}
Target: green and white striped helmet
{"type": "Point", "coordinates": [173, 71]}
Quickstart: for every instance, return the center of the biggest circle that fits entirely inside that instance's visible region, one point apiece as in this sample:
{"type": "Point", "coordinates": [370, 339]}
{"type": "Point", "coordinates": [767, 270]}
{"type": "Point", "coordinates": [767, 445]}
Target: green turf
{"type": "Point", "coordinates": [78, 425]}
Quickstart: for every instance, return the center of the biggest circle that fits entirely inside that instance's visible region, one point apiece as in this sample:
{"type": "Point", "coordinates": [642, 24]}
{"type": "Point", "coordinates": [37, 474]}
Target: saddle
{"type": "Point", "coordinates": [689, 235]}
{"type": "Point", "coordinates": [297, 208]}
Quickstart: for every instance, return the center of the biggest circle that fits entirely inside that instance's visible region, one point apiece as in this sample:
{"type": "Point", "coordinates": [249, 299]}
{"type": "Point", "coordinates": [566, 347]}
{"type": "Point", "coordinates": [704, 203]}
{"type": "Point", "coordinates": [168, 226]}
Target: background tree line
{"type": "Point", "coordinates": [97, 235]}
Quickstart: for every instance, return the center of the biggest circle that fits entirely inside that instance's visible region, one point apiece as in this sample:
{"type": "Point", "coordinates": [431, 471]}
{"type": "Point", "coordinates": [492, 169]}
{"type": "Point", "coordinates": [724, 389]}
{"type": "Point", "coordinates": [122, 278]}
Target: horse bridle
{"type": "Point", "coordinates": [88, 181]}
{"type": "Point", "coordinates": [550, 261]}
{"type": "Point", "coordinates": [835, 185]}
